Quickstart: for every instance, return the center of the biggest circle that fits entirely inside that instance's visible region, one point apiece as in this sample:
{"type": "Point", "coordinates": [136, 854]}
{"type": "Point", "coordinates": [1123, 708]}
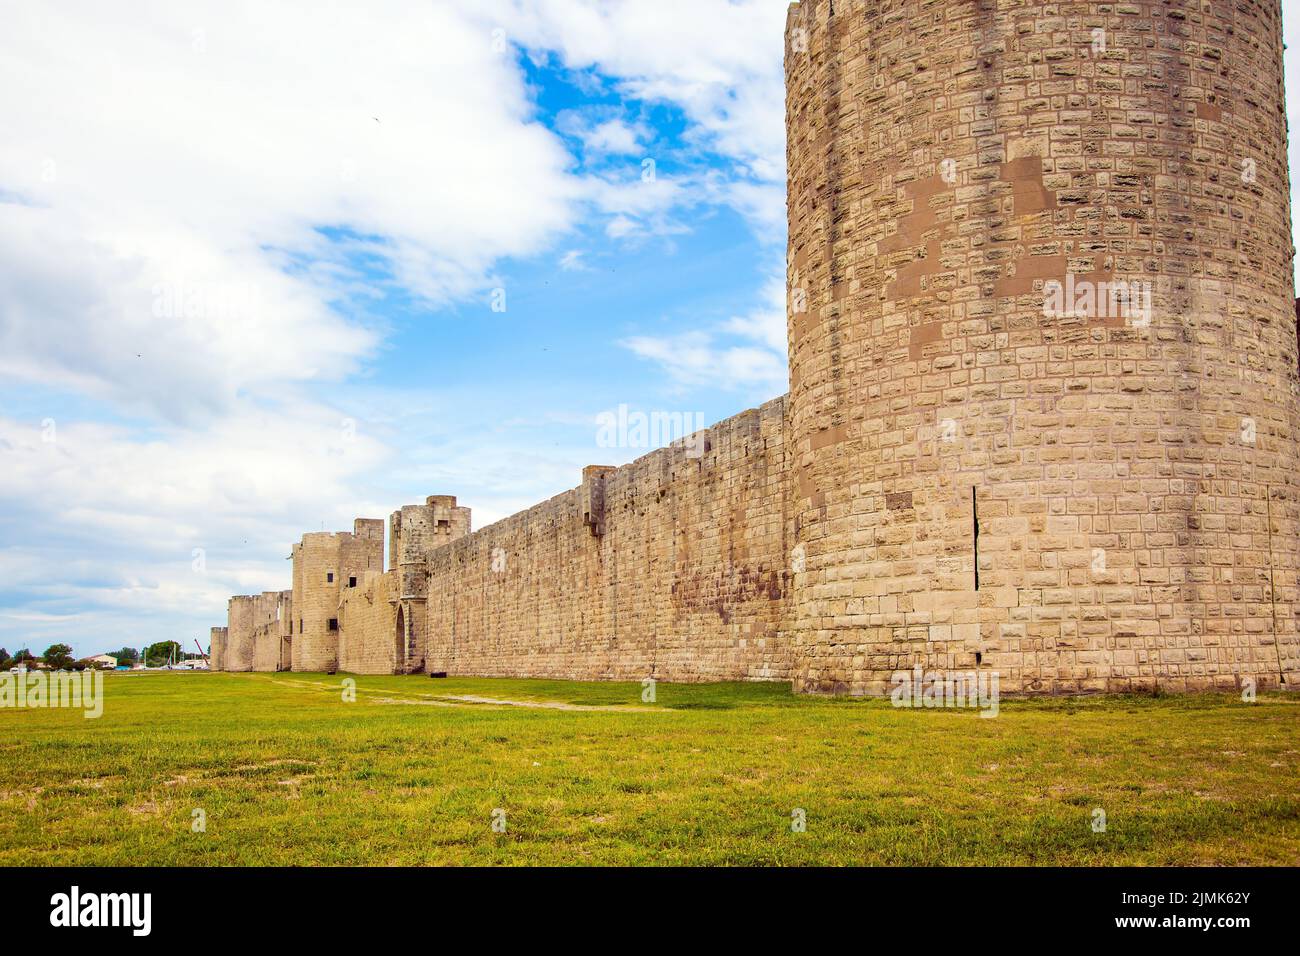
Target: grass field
{"type": "Point", "coordinates": [288, 773]}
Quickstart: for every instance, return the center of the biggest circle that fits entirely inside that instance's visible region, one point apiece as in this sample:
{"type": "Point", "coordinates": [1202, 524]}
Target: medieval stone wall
{"type": "Point", "coordinates": [415, 531]}
{"type": "Point", "coordinates": [1044, 396]}
{"type": "Point", "coordinates": [256, 637]}
{"type": "Point", "coordinates": [369, 640]}
{"type": "Point", "coordinates": [671, 567]}
{"type": "Point", "coordinates": [272, 616]}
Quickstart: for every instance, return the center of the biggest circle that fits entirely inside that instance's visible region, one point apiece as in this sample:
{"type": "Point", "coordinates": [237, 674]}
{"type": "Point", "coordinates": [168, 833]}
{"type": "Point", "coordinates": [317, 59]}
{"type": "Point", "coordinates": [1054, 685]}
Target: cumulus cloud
{"type": "Point", "coordinates": [572, 261]}
{"type": "Point", "coordinates": [745, 353]}
{"type": "Point", "coordinates": [139, 534]}
{"type": "Point", "coordinates": [198, 149]}
{"type": "Point", "coordinates": [720, 62]}
{"type": "Point", "coordinates": [614, 136]}
{"type": "Point", "coordinates": [604, 134]}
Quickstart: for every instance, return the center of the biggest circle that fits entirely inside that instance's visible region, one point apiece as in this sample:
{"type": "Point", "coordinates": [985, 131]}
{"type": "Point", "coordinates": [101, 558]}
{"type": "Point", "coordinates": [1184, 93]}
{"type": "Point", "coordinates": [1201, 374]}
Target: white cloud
{"type": "Point", "coordinates": [745, 353]}
{"type": "Point", "coordinates": [572, 261]}
{"type": "Point", "coordinates": [160, 324]}
{"type": "Point", "coordinates": [620, 227]}
{"type": "Point", "coordinates": [719, 61]}
{"type": "Point", "coordinates": [204, 146]}
{"type": "Point", "coordinates": [613, 137]}
{"type": "Point", "coordinates": [641, 202]}
{"type": "Point", "coordinates": [694, 359]}
{"type": "Point", "coordinates": [128, 510]}
{"type": "Point", "coordinates": [767, 323]}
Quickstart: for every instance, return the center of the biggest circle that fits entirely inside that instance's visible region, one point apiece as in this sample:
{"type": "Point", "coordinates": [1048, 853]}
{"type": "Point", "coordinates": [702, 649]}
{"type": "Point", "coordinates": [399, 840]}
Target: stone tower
{"type": "Point", "coordinates": [1043, 364]}
{"type": "Point", "coordinates": [237, 654]}
{"type": "Point", "coordinates": [414, 531]}
{"type": "Point", "coordinates": [217, 638]}
{"type": "Point", "coordinates": [324, 564]}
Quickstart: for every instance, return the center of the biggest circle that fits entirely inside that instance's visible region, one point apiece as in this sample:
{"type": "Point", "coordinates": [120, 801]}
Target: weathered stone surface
{"type": "Point", "coordinates": [369, 639]}
{"type": "Point", "coordinates": [217, 639]}
{"type": "Point", "coordinates": [272, 617]}
{"type": "Point", "coordinates": [257, 634]}
{"type": "Point", "coordinates": [414, 532]}
{"type": "Point", "coordinates": [238, 650]}
{"type": "Point", "coordinates": [1134, 484]}
{"type": "Point", "coordinates": [681, 576]}
{"type": "Point", "coordinates": [324, 565]}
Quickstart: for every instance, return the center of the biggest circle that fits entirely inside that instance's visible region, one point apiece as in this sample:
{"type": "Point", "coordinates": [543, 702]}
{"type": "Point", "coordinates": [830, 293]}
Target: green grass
{"type": "Point", "coordinates": [288, 773]}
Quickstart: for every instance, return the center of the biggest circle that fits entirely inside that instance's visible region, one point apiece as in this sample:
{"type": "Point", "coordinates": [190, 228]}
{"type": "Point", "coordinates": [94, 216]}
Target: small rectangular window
{"type": "Point", "coordinates": [329, 578]}
{"type": "Point", "coordinates": [352, 582]}
{"type": "Point", "coordinates": [334, 624]}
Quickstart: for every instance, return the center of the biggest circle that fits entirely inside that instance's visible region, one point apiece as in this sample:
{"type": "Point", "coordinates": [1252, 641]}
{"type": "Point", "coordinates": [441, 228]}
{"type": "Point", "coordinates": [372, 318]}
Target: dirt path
{"type": "Point", "coordinates": [552, 704]}
{"type": "Point", "coordinates": [459, 700]}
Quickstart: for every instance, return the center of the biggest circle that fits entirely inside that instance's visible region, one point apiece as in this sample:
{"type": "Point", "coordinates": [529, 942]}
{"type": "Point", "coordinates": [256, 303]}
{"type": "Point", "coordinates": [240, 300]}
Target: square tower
{"type": "Point", "coordinates": [416, 531]}
{"type": "Point", "coordinates": [324, 565]}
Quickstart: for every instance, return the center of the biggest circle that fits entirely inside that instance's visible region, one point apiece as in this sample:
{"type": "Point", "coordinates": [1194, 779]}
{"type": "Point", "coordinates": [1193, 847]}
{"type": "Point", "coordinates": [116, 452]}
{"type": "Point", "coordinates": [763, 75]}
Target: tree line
{"type": "Point", "coordinates": [59, 656]}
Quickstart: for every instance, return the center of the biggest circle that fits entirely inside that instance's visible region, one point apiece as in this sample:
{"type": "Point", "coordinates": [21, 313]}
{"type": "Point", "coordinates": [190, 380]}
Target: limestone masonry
{"type": "Point", "coordinates": [1043, 408]}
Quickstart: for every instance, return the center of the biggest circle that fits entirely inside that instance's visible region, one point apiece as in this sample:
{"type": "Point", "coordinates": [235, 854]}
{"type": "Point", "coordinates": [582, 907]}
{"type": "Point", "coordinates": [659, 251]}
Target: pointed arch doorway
{"type": "Point", "coordinates": [399, 650]}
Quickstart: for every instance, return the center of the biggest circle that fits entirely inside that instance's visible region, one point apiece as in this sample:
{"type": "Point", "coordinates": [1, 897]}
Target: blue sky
{"type": "Point", "coordinates": [250, 257]}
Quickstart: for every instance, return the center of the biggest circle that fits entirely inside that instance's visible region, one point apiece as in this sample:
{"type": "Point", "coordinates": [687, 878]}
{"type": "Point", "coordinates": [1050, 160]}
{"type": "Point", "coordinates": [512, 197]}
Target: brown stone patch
{"type": "Point", "coordinates": [923, 335]}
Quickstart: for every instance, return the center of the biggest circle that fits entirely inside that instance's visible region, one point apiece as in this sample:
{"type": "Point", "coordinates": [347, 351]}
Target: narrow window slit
{"type": "Point", "coordinates": [975, 520]}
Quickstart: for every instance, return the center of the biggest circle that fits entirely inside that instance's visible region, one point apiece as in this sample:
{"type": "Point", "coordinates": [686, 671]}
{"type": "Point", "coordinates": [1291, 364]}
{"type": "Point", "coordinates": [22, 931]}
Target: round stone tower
{"type": "Point", "coordinates": [1043, 365]}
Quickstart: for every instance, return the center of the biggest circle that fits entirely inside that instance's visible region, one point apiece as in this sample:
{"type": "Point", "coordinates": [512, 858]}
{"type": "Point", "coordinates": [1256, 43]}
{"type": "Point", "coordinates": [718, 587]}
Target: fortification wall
{"type": "Point", "coordinates": [257, 634]}
{"type": "Point", "coordinates": [1043, 412]}
{"type": "Point", "coordinates": [272, 617]}
{"type": "Point", "coordinates": [672, 567]}
{"type": "Point", "coordinates": [369, 640]}
{"type": "Point", "coordinates": [1081, 500]}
